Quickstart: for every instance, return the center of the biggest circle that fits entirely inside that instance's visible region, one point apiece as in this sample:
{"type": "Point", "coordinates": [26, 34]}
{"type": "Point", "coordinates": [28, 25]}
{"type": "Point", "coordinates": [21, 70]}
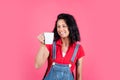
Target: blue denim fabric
{"type": "Point", "coordinates": [59, 72]}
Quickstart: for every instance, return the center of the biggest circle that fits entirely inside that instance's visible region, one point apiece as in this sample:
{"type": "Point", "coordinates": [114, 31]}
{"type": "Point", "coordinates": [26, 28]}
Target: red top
{"type": "Point", "coordinates": [67, 58]}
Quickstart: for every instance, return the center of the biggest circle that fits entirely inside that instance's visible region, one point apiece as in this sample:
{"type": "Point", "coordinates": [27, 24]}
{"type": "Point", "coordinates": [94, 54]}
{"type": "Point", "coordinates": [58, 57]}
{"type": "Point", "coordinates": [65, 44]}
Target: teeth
{"type": "Point", "coordinates": [61, 32]}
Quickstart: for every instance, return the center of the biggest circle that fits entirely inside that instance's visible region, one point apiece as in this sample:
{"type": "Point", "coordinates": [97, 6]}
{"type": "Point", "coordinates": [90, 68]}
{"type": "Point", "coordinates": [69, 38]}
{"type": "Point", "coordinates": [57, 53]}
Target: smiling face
{"type": "Point", "coordinates": [62, 29]}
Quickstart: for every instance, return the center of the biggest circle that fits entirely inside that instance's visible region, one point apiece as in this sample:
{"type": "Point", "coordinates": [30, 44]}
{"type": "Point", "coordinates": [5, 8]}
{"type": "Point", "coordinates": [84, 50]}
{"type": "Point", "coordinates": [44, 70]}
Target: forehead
{"type": "Point", "coordinates": [61, 21]}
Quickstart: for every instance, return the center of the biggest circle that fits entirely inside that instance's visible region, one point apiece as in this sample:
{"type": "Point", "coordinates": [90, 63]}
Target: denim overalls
{"type": "Point", "coordinates": [60, 71]}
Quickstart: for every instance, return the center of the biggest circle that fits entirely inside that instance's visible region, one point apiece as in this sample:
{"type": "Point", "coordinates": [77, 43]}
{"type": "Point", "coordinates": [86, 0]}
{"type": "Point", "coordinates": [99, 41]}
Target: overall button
{"type": "Point", "coordinates": [70, 65]}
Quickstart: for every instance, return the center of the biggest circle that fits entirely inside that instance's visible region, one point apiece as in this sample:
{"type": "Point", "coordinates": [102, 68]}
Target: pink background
{"type": "Point", "coordinates": [22, 20]}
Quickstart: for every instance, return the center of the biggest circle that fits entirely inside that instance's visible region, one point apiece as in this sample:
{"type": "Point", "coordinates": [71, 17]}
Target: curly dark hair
{"type": "Point", "coordinates": [74, 35]}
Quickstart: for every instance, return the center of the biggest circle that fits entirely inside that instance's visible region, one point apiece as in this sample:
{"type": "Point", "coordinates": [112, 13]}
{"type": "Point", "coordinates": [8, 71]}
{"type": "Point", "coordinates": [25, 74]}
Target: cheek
{"type": "Point", "coordinates": [57, 30]}
{"type": "Point", "coordinates": [67, 30]}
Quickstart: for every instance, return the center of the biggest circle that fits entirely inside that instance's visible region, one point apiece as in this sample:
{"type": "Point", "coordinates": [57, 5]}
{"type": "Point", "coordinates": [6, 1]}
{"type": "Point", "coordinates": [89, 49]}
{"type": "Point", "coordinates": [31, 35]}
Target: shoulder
{"type": "Point", "coordinates": [57, 43]}
{"type": "Point", "coordinates": [80, 45]}
{"type": "Point", "coordinates": [80, 50]}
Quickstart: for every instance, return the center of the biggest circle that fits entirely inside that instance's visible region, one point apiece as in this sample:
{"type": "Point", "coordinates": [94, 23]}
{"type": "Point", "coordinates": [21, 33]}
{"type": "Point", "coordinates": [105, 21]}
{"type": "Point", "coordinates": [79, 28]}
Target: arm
{"type": "Point", "coordinates": [79, 69]}
{"type": "Point", "coordinates": [42, 54]}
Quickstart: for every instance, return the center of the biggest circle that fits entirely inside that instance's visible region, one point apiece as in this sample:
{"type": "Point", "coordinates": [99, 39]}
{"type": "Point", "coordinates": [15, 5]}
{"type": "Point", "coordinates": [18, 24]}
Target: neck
{"type": "Point", "coordinates": [65, 41]}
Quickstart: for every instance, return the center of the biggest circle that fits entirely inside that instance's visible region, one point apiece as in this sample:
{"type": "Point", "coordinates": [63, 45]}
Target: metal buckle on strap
{"type": "Point", "coordinates": [70, 65]}
{"type": "Point", "coordinates": [53, 63]}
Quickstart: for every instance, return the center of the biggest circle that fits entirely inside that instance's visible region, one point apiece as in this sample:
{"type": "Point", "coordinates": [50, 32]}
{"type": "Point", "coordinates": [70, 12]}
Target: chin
{"type": "Point", "coordinates": [64, 37]}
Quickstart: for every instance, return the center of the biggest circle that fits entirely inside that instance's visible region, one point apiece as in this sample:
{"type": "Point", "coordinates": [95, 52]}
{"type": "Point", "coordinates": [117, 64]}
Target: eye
{"type": "Point", "coordinates": [58, 26]}
{"type": "Point", "coordinates": [64, 26]}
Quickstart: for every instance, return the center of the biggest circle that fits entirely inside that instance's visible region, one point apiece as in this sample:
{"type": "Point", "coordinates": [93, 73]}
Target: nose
{"type": "Point", "coordinates": [60, 28]}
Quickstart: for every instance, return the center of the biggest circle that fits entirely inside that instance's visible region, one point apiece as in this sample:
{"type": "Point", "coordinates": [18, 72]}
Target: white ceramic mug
{"type": "Point", "coordinates": [49, 37]}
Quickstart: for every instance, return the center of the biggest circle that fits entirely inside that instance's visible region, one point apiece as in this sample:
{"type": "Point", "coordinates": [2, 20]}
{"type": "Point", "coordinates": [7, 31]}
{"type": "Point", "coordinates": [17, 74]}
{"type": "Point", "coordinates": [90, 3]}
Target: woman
{"type": "Point", "coordinates": [65, 53]}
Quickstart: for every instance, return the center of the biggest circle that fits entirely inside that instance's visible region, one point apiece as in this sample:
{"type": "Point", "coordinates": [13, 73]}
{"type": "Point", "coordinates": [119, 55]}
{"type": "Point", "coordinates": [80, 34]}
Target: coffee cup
{"type": "Point", "coordinates": [49, 37]}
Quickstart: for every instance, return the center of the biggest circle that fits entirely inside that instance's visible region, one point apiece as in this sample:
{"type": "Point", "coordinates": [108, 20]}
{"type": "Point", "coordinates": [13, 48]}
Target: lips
{"type": "Point", "coordinates": [62, 33]}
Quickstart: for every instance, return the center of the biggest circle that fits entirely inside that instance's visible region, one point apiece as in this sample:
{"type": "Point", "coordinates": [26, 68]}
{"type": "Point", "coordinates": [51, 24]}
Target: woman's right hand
{"type": "Point", "coordinates": [41, 38]}
{"type": "Point", "coordinates": [43, 52]}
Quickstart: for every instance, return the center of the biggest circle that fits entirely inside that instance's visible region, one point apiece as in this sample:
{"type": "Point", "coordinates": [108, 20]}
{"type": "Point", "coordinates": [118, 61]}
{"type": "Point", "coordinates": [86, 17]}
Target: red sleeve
{"type": "Point", "coordinates": [80, 52]}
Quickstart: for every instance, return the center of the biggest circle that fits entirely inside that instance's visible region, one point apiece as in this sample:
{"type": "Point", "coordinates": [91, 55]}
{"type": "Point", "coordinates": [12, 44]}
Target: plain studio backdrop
{"type": "Point", "coordinates": [22, 20]}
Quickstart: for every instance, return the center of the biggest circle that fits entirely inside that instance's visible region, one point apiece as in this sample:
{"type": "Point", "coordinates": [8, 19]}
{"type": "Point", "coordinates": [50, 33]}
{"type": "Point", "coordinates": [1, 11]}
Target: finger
{"type": "Point", "coordinates": [41, 38]}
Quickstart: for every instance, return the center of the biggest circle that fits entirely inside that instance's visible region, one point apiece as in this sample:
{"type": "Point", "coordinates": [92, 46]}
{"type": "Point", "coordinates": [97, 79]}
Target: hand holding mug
{"type": "Point", "coordinates": [41, 38]}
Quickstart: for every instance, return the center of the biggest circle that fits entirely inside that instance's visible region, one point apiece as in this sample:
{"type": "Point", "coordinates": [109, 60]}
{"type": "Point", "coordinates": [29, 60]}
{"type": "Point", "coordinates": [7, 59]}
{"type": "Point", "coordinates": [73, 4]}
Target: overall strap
{"type": "Point", "coordinates": [75, 52]}
{"type": "Point", "coordinates": [54, 50]}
